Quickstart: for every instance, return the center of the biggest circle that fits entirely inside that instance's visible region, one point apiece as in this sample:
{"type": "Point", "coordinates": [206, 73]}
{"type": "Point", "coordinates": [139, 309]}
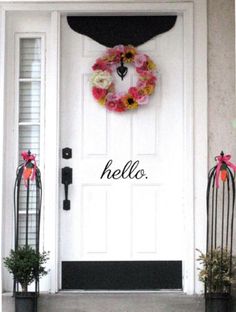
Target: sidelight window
{"type": "Point", "coordinates": [30, 86]}
{"type": "Point", "coordinates": [30, 95]}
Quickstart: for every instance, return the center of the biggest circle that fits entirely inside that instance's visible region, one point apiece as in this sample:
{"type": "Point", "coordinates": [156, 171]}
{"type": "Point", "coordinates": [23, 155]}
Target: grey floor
{"type": "Point", "coordinates": [113, 302]}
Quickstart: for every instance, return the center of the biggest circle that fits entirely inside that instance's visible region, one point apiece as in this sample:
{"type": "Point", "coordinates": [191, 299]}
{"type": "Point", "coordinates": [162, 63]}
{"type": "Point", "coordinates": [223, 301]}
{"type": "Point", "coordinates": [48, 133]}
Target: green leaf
{"type": "Point", "coordinates": [26, 265]}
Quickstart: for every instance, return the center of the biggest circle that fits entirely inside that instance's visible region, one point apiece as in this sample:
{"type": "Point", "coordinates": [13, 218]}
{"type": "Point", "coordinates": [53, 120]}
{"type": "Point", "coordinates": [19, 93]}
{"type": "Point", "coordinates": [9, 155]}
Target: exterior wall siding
{"type": "Point", "coordinates": [221, 81]}
{"type": "Point", "coordinates": [221, 78]}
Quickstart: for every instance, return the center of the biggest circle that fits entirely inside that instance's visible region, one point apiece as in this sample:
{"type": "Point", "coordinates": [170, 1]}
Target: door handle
{"type": "Point", "coordinates": [66, 180]}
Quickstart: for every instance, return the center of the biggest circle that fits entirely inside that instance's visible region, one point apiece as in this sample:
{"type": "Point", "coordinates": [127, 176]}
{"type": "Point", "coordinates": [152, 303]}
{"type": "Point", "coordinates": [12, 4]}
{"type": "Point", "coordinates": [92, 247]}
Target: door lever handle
{"type": "Point", "coordinates": [66, 180]}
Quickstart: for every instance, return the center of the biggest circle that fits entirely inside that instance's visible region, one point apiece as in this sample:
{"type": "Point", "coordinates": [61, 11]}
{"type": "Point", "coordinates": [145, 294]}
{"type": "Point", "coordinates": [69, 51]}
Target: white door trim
{"type": "Point", "coordinates": [52, 132]}
{"type": "Point", "coordinates": [196, 149]}
{"type": "Point", "coordinates": [188, 267]}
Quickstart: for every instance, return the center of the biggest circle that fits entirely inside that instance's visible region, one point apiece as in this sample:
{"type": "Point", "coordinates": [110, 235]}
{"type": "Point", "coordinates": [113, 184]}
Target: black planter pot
{"type": "Point", "coordinates": [26, 302]}
{"type": "Point", "coordinates": [217, 302]}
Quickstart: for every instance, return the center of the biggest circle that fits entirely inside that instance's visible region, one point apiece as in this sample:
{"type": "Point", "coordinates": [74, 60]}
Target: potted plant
{"type": "Point", "coordinates": [215, 273]}
{"type": "Point", "coordinates": [27, 266]}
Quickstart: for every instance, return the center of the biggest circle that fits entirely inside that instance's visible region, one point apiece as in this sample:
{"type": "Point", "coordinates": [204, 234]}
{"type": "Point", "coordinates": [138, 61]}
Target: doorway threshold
{"type": "Point", "coordinates": [162, 291]}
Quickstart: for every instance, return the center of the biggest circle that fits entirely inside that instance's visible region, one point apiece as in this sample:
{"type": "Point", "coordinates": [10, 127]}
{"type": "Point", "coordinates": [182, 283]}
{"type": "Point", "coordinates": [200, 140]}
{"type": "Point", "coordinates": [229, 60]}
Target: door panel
{"type": "Point", "coordinates": [125, 219]}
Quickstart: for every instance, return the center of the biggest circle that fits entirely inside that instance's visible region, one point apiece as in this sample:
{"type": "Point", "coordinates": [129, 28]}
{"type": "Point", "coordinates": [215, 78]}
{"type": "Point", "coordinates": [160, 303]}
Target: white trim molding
{"type": "Point", "coordinates": [2, 126]}
{"type": "Point", "coordinates": [52, 131]}
{"type": "Point", "coordinates": [200, 134]}
{"type": "Point", "coordinates": [194, 13]}
{"type": "Point", "coordinates": [188, 265]}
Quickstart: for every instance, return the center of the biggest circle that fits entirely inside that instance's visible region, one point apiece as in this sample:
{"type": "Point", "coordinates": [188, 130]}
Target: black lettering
{"type": "Point", "coordinates": [130, 170]}
{"type": "Point", "coordinates": [116, 174]}
{"type": "Point", "coordinates": [106, 170]}
{"type": "Point", "coordinates": [125, 169]}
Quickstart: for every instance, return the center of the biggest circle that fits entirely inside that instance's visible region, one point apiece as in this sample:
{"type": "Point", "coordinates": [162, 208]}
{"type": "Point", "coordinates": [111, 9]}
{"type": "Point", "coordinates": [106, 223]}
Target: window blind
{"type": "Point", "coordinates": [29, 110]}
{"type": "Point", "coordinates": [30, 58]}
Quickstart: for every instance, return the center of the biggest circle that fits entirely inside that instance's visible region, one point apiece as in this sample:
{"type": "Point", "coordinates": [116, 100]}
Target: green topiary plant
{"type": "Point", "coordinates": [26, 265]}
{"type": "Point", "coordinates": [215, 271]}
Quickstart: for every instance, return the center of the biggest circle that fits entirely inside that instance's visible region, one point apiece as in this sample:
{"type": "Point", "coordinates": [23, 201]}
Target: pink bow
{"type": "Point", "coordinates": [28, 157]}
{"type": "Point", "coordinates": [223, 159]}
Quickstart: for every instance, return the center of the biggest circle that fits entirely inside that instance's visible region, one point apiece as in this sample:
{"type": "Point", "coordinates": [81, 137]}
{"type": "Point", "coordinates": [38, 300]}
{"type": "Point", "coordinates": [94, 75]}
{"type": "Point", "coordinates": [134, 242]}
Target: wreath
{"type": "Point", "coordinates": [103, 88]}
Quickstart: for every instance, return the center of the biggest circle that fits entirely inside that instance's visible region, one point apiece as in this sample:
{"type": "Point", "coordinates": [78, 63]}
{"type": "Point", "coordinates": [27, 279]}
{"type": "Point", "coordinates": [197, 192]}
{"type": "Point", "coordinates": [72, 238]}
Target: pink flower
{"type": "Point", "coordinates": [139, 60]}
{"type": "Point", "coordinates": [114, 54]}
{"type": "Point", "coordinates": [119, 49]}
{"type": "Point", "coordinates": [147, 75]}
{"type": "Point", "coordinates": [111, 101]}
{"type": "Point", "coordinates": [143, 100]}
{"type": "Point", "coordinates": [134, 92]}
{"type": "Point", "coordinates": [151, 79]}
{"type": "Point", "coordinates": [142, 72]}
{"type": "Point", "coordinates": [114, 103]}
{"type": "Point", "coordinates": [120, 107]}
{"type": "Point", "coordinates": [141, 84]}
{"type": "Point", "coordinates": [139, 97]}
{"type": "Point", "coordinates": [112, 97]}
{"type": "Point", "coordinates": [98, 93]}
{"type": "Point", "coordinates": [111, 105]}
{"type": "Point", "coordinates": [101, 65]}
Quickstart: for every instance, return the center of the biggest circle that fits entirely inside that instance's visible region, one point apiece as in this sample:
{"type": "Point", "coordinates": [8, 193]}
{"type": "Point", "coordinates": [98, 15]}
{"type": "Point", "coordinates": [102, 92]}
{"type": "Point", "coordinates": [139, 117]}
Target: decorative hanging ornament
{"type": "Point", "coordinates": [30, 166]}
{"type": "Point", "coordinates": [223, 162]}
{"type": "Point", "coordinates": [223, 172]}
{"type": "Point", "coordinates": [102, 80]}
{"type": "Point", "coordinates": [122, 70]}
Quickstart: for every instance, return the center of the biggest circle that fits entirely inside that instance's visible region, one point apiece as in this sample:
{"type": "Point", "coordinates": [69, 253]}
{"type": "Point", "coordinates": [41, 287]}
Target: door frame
{"type": "Point", "coordinates": [195, 115]}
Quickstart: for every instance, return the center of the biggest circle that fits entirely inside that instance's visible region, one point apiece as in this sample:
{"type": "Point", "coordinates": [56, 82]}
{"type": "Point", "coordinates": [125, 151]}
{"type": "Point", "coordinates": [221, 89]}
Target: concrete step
{"type": "Point", "coordinates": [114, 302]}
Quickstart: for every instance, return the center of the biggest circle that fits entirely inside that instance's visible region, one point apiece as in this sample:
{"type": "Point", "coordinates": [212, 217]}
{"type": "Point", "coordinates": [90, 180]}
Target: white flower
{"type": "Point", "coordinates": [101, 79]}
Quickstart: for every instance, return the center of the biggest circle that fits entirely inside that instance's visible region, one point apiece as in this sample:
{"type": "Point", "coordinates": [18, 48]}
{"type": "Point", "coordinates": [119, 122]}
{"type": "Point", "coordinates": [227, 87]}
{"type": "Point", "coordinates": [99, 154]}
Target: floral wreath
{"type": "Point", "coordinates": [103, 88]}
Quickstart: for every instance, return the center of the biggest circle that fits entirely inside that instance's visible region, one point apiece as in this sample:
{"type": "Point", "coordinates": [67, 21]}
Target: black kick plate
{"type": "Point", "coordinates": [121, 275]}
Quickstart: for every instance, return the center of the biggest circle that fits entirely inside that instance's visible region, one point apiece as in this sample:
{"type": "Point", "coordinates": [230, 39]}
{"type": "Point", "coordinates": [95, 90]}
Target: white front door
{"type": "Point", "coordinates": [123, 219]}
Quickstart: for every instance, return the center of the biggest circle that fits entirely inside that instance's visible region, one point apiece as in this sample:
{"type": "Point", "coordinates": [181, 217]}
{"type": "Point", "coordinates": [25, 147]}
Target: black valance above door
{"type": "Point", "coordinates": [113, 30]}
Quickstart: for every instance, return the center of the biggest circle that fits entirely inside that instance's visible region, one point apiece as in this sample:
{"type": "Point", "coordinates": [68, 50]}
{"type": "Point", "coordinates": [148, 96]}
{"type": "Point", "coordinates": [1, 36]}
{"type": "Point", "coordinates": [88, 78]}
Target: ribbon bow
{"type": "Point", "coordinates": [29, 158]}
{"type": "Point", "coordinates": [222, 159]}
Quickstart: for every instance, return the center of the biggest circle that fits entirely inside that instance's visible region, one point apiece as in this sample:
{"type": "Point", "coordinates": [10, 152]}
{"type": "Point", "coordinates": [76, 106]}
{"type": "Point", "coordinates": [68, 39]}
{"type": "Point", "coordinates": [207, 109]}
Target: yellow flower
{"type": "Point", "coordinates": [129, 102]}
{"type": "Point", "coordinates": [109, 58]}
{"type": "Point", "coordinates": [151, 65]}
{"type": "Point", "coordinates": [129, 54]}
{"type": "Point", "coordinates": [102, 101]}
{"type": "Point", "coordinates": [148, 90]}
